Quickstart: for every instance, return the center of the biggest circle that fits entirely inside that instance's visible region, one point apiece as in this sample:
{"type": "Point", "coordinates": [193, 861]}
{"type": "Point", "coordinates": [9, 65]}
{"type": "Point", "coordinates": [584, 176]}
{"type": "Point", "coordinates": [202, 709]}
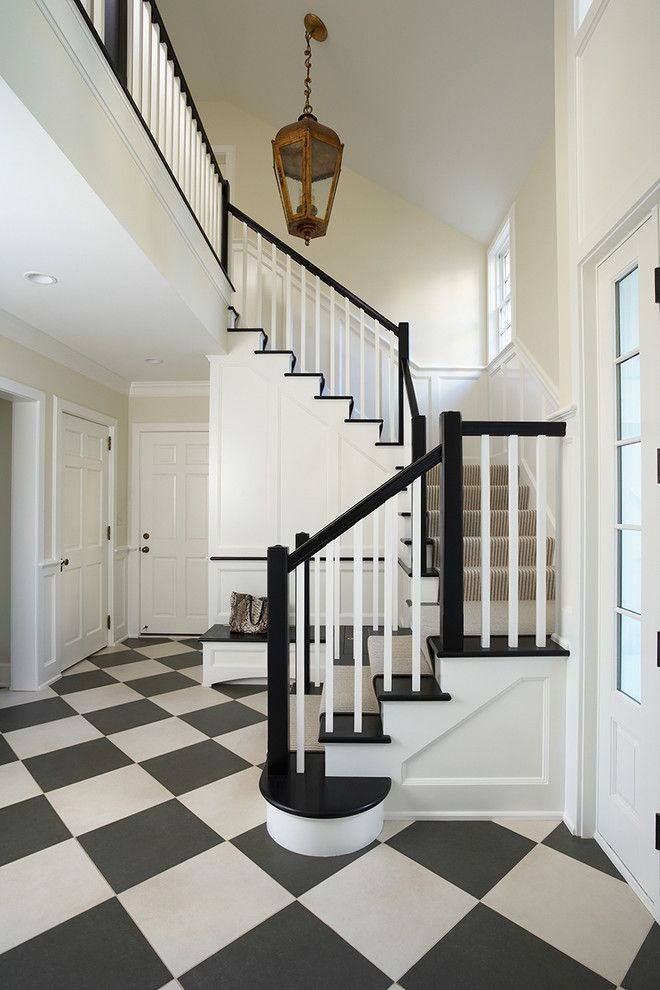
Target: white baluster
{"type": "Point", "coordinates": [168, 116]}
{"type": "Point", "coordinates": [390, 389]}
{"type": "Point", "coordinates": [176, 128]}
{"type": "Point", "coordinates": [155, 62]}
{"type": "Point", "coordinates": [333, 344]}
{"type": "Point", "coordinates": [485, 541]}
{"type": "Point", "coordinates": [244, 284]}
{"type": "Point", "coordinates": [387, 592]}
{"type": "Point", "coordinates": [317, 324]}
{"type": "Point", "coordinates": [395, 563]}
{"type": "Point", "coordinates": [375, 570]}
{"type": "Point", "coordinates": [513, 541]}
{"type": "Point", "coordinates": [357, 625]}
{"type": "Point", "coordinates": [337, 598]}
{"type": "Point", "coordinates": [162, 88]}
{"type": "Point", "coordinates": [303, 319]}
{"type": "Point", "coordinates": [416, 581]}
{"type": "Point", "coordinates": [145, 67]}
{"type": "Point", "coordinates": [260, 281]}
{"type": "Point", "coordinates": [347, 347]}
{"type": "Point", "coordinates": [300, 669]}
{"type": "Point", "coordinates": [135, 52]}
{"type": "Point", "coordinates": [329, 636]}
{"type": "Point", "coordinates": [273, 297]}
{"type": "Point", "coordinates": [289, 317]}
{"type": "Point", "coordinates": [98, 17]}
{"type": "Point", "coordinates": [541, 558]}
{"type": "Point", "coordinates": [317, 620]}
{"type": "Point", "coordinates": [363, 394]}
{"type": "Point", "coordinates": [378, 402]}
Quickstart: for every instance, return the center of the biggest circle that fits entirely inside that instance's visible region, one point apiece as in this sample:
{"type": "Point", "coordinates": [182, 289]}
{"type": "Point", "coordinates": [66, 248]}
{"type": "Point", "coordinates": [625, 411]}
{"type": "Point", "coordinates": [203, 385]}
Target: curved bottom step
{"type": "Point", "coordinates": [315, 815]}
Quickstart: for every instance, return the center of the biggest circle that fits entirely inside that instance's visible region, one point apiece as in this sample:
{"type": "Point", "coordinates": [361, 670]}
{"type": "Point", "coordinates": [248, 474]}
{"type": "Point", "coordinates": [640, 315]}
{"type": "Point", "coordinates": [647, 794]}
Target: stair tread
{"type": "Point", "coordinates": [499, 648]}
{"type": "Point", "coordinates": [343, 732]}
{"type": "Point", "coordinates": [313, 795]}
{"type": "Point", "coordinates": [343, 692]}
{"type": "Point", "coordinates": [402, 690]}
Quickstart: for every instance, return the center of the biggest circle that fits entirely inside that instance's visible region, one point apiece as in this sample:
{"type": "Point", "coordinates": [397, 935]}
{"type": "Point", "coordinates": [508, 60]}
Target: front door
{"type": "Point", "coordinates": [83, 539]}
{"type": "Point", "coordinates": [629, 549]}
{"type": "Point", "coordinates": [173, 532]}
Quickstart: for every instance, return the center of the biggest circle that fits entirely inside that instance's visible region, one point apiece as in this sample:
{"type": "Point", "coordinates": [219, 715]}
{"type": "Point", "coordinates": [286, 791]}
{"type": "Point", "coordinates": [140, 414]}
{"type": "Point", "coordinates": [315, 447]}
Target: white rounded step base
{"type": "Point", "coordinates": [324, 836]}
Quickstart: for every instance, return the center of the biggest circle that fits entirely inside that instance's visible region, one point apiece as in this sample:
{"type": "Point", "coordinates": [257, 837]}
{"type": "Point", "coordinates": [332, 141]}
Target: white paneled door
{"type": "Point", "coordinates": [629, 551]}
{"type": "Point", "coordinates": [174, 470]}
{"type": "Point", "coordinates": [83, 539]}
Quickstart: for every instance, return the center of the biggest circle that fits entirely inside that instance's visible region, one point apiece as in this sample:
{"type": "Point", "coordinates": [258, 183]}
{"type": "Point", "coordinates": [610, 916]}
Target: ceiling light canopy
{"type": "Point", "coordinates": [307, 158]}
{"type": "Point", "coordinates": [40, 278]}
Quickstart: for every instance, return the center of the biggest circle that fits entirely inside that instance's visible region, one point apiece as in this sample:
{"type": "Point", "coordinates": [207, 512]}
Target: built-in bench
{"type": "Point", "coordinates": [230, 656]}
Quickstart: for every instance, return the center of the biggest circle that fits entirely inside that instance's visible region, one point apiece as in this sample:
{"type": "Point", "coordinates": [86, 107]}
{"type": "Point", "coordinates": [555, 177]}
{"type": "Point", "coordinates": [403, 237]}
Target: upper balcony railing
{"type": "Point", "coordinates": [136, 43]}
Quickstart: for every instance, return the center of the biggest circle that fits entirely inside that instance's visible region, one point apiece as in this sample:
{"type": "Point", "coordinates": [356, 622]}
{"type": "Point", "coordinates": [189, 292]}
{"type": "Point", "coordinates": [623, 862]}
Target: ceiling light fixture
{"type": "Point", "coordinates": [153, 360]}
{"type": "Point", "coordinates": [39, 278]}
{"type": "Point", "coordinates": [307, 158]}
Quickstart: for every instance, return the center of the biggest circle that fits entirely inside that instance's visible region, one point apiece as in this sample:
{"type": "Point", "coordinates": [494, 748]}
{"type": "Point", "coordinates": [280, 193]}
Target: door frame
{"type": "Point", "coordinates": [584, 730]}
{"type": "Point", "coordinates": [134, 488]}
{"type": "Point", "coordinates": [60, 407]}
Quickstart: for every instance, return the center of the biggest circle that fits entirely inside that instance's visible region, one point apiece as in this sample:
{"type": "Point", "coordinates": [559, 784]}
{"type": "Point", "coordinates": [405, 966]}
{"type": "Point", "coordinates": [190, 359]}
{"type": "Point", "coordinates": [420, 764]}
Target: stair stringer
{"type": "Point", "coordinates": [500, 706]}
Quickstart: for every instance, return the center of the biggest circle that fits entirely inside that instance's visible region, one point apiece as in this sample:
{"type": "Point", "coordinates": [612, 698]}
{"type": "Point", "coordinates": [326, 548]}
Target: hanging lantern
{"type": "Point", "coordinates": [307, 159]}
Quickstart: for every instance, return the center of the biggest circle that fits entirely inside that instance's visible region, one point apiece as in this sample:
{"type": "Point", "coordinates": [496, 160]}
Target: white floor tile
{"type": "Point", "coordinates": [392, 827]}
{"type": "Point", "coordinates": [16, 784]}
{"type": "Point", "coordinates": [169, 649]}
{"type": "Point", "coordinates": [536, 829]}
{"type": "Point", "coordinates": [230, 806]}
{"type": "Point", "coordinates": [585, 913]}
{"type": "Point", "coordinates": [194, 672]}
{"type": "Point", "coordinates": [103, 697]}
{"type": "Point", "coordinates": [249, 742]}
{"type": "Point", "coordinates": [45, 889]}
{"type": "Point", "coordinates": [48, 736]}
{"type": "Point", "coordinates": [145, 741]}
{"type": "Point", "coordinates": [117, 648]}
{"type": "Point", "coordinates": [189, 700]}
{"type": "Point", "coordinates": [196, 908]}
{"type": "Point", "coordinates": [106, 798]}
{"type": "Point", "coordinates": [258, 702]}
{"type": "Point", "coordinates": [141, 668]}
{"type": "Point", "coordinates": [389, 908]}
{"type": "Point", "coordinates": [10, 698]}
{"type": "Point", "coordinates": [79, 668]}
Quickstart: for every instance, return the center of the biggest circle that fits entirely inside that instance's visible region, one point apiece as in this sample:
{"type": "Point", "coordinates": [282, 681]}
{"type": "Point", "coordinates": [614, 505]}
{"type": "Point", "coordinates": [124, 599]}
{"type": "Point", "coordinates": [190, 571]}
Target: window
{"type": "Point", "coordinates": [499, 291]}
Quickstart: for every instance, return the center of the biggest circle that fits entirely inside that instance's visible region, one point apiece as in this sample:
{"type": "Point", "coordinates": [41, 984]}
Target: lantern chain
{"type": "Point", "coordinates": [307, 109]}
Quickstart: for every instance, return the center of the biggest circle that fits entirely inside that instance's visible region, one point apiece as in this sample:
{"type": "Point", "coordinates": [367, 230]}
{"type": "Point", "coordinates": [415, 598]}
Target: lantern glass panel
{"type": "Point", "coordinates": [324, 163]}
{"type": "Point", "coordinates": [292, 163]}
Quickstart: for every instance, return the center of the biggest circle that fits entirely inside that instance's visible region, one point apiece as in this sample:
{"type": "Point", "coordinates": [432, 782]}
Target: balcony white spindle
{"type": "Point", "coordinates": [244, 277]}
{"type": "Point", "coordinates": [153, 96]}
{"type": "Point", "coordinates": [347, 347]}
{"type": "Point", "coordinates": [329, 636]}
{"type": "Point", "coordinates": [416, 581]}
{"type": "Point", "coordinates": [135, 52]}
{"type": "Point", "coordinates": [303, 319]}
{"type": "Point", "coordinates": [387, 592]}
{"type": "Point", "coordinates": [300, 669]}
{"type": "Point", "coordinates": [333, 343]}
{"type": "Point", "coordinates": [98, 17]}
{"type": "Point", "coordinates": [485, 541]}
{"type": "Point", "coordinates": [395, 563]}
{"type": "Point", "coordinates": [145, 63]}
{"type": "Point", "coordinates": [169, 96]}
{"type": "Point", "coordinates": [176, 128]}
{"type": "Point", "coordinates": [513, 541]}
{"type": "Point", "coordinates": [391, 369]}
{"type": "Point", "coordinates": [541, 558]}
{"type": "Point", "coordinates": [183, 137]}
{"type": "Point", "coordinates": [317, 324]}
{"type": "Point", "coordinates": [375, 570]}
{"type": "Point", "coordinates": [317, 620]}
{"type": "Point", "coordinates": [162, 95]}
{"type": "Point", "coordinates": [273, 296]}
{"type": "Point", "coordinates": [378, 402]}
{"type": "Point", "coordinates": [260, 281]}
{"type": "Point", "coordinates": [200, 175]}
{"type": "Point", "coordinates": [337, 598]}
{"type": "Point", "coordinates": [363, 394]}
{"type": "Point", "coordinates": [289, 315]}
{"type": "Point", "coordinates": [358, 543]}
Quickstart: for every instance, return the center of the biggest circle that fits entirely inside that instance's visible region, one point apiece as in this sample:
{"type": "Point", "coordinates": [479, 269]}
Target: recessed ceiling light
{"type": "Point", "coordinates": [39, 278]}
{"type": "Point", "coordinates": [153, 360]}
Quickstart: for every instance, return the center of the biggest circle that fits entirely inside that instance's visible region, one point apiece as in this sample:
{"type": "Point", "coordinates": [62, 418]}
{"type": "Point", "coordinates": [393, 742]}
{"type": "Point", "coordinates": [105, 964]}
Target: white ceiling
{"type": "Point", "coordinates": [445, 102]}
{"type": "Point", "coordinates": [110, 305]}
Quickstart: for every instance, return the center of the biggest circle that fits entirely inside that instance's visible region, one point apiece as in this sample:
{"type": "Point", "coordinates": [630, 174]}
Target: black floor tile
{"type": "Point", "coordinates": [74, 763]}
{"type": "Point", "coordinates": [223, 718]}
{"type": "Point", "coordinates": [28, 826]}
{"type": "Point", "coordinates": [193, 766]}
{"type": "Point", "coordinates": [161, 683]}
{"type": "Point", "coordinates": [34, 713]}
{"type": "Point", "coordinates": [142, 641]}
{"type": "Point", "coordinates": [297, 873]}
{"type": "Point", "coordinates": [120, 717]}
{"type": "Point", "coordinates": [290, 951]}
{"type": "Point", "coordinates": [473, 855]}
{"type": "Point", "coordinates": [586, 850]}
{"type": "Point", "coordinates": [486, 950]}
{"type": "Point", "coordinates": [193, 642]}
{"type": "Point", "coordinates": [82, 682]}
{"type": "Point", "coordinates": [181, 661]}
{"type": "Point", "coordinates": [103, 660]}
{"type": "Point", "coordinates": [237, 691]}
{"type": "Point", "coordinates": [100, 949]}
{"type": "Point", "coordinates": [7, 754]}
{"type": "Point", "coordinates": [644, 974]}
{"type": "Point", "coordinates": [142, 845]}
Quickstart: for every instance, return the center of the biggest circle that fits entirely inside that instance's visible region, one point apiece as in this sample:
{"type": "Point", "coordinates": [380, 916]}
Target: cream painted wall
{"type": "Point", "coordinates": [535, 243]}
{"type": "Point", "coordinates": [20, 364]}
{"type": "Point", "coordinates": [5, 529]}
{"type": "Point", "coordinates": [168, 409]}
{"type": "Point", "coordinates": [406, 263]}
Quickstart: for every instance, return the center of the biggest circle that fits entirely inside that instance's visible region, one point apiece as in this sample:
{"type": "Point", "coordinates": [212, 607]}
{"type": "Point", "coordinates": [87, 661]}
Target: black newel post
{"type": "Point", "coordinates": [300, 539]}
{"type": "Point", "coordinates": [451, 532]}
{"type": "Point", "coordinates": [404, 355]}
{"type": "Point", "coordinates": [224, 245]}
{"type": "Point", "coordinates": [278, 659]}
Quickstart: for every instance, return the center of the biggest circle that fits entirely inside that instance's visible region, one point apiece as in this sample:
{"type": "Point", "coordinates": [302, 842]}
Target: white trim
{"type": "Point", "coordinates": [505, 234]}
{"type": "Point", "coordinates": [152, 390]}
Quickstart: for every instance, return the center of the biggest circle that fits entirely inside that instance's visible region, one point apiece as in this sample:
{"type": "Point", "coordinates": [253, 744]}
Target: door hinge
{"type": "Point", "coordinates": [109, 623]}
{"type": "Point", "coordinates": [109, 443]}
{"type": "Point", "coordinates": [657, 830]}
{"type": "Point", "coordinates": [657, 285]}
{"type": "Point", "coordinates": [109, 532]}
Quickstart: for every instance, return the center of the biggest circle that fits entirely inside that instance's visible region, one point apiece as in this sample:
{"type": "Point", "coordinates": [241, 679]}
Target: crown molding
{"type": "Point", "coordinates": [169, 390]}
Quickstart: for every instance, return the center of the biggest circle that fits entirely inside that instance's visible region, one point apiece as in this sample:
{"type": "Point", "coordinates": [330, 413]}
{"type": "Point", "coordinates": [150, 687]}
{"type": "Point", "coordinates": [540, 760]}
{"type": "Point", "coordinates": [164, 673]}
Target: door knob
{"type": "Point", "coordinates": [144, 549]}
{"type": "Point", "coordinates": [145, 536]}
{"type": "Point", "coordinates": [64, 562]}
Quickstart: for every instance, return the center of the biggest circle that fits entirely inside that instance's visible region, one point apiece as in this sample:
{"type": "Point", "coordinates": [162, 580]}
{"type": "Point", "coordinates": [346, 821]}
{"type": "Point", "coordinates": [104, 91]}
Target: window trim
{"type": "Point", "coordinates": [505, 236]}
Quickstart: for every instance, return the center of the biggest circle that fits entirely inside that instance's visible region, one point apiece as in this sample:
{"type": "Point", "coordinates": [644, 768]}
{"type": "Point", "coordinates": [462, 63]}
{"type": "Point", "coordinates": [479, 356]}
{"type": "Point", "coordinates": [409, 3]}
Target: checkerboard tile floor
{"type": "Point", "coordinates": [134, 856]}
